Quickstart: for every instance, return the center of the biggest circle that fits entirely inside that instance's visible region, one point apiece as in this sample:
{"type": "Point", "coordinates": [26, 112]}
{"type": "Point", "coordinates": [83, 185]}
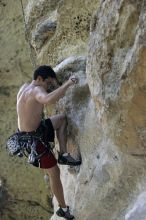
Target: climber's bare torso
{"type": "Point", "coordinates": [29, 110]}
{"type": "Point", "coordinates": [31, 99]}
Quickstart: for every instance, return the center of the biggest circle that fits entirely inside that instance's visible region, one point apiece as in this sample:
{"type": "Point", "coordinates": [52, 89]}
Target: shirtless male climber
{"type": "Point", "coordinates": [30, 103]}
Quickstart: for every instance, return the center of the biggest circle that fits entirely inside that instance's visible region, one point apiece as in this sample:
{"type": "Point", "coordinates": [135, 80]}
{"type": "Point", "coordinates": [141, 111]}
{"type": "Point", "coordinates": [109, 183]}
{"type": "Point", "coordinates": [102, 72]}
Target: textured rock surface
{"type": "Point", "coordinates": [138, 212]}
{"type": "Point", "coordinates": [104, 44]}
{"type": "Point", "coordinates": [112, 149]}
{"type": "Point", "coordinates": [72, 32]}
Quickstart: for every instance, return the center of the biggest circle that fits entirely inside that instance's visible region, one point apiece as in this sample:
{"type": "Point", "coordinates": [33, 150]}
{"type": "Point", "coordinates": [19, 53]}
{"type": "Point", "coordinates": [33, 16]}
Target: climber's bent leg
{"type": "Point", "coordinates": [60, 125]}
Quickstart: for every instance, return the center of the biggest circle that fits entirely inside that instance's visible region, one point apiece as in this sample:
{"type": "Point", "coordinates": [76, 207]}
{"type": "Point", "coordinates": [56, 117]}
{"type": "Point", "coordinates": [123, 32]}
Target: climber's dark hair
{"type": "Point", "coordinates": [44, 71]}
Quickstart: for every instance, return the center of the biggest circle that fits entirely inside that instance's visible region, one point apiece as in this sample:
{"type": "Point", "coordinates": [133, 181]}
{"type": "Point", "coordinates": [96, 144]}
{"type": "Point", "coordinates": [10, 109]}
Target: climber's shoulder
{"type": "Point", "coordinates": [21, 89]}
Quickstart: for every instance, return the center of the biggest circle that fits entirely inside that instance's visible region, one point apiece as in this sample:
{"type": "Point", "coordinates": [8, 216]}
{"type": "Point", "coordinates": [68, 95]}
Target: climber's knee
{"type": "Point", "coordinates": [58, 121]}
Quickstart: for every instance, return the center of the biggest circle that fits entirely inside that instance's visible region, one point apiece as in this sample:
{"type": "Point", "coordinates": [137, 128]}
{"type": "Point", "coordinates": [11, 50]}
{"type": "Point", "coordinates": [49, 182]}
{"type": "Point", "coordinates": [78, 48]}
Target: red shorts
{"type": "Point", "coordinates": [48, 160]}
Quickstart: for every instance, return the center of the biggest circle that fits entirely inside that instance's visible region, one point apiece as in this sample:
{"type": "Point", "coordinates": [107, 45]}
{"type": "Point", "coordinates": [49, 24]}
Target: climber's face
{"type": "Point", "coordinates": [48, 84]}
{"type": "Point", "coordinates": [52, 84]}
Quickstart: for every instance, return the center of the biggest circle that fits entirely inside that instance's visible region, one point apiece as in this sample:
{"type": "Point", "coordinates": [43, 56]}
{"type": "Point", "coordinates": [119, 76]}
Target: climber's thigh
{"type": "Point", "coordinates": [54, 172]}
{"type": "Point", "coordinates": [58, 120]}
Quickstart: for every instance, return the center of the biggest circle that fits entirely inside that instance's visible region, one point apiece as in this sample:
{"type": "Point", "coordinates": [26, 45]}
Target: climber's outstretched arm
{"type": "Point", "coordinates": [44, 98]}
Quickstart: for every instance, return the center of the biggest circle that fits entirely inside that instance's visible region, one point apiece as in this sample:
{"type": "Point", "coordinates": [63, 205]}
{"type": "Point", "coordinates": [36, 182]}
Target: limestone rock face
{"type": "Point", "coordinates": [138, 211]}
{"type": "Point", "coordinates": [112, 142]}
{"type": "Point", "coordinates": [104, 44]}
{"type": "Point", "coordinates": [73, 22]}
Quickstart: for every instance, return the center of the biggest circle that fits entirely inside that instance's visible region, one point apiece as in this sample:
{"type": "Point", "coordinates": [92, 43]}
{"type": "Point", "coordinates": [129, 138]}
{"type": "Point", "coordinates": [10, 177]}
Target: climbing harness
{"type": "Point", "coordinates": [27, 38]}
{"type": "Point", "coordinates": [25, 144]}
